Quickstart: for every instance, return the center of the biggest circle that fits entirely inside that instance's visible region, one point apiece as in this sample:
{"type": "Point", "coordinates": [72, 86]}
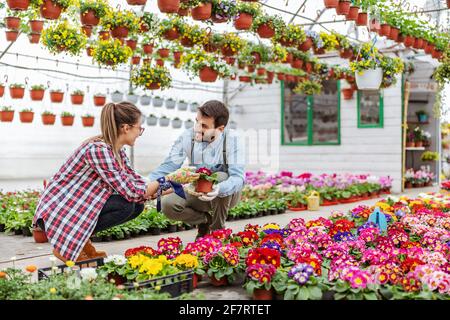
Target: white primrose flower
{"type": "Point", "coordinates": [117, 259]}
{"type": "Point", "coordinates": [88, 274]}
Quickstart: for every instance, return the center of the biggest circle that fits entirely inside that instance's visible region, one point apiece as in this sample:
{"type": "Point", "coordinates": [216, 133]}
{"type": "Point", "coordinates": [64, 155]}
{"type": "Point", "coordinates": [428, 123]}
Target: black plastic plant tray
{"type": "Point", "coordinates": [175, 284]}
{"type": "Point", "coordinates": [43, 273]}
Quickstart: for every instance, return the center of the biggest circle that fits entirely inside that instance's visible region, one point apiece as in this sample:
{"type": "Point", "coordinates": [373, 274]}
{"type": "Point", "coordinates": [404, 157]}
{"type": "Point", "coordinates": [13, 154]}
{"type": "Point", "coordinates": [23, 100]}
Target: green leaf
{"type": "Point", "coordinates": [370, 296]}
{"type": "Point", "coordinates": [315, 293]}
{"type": "Point", "coordinates": [303, 294]}
{"type": "Point", "coordinates": [289, 295]}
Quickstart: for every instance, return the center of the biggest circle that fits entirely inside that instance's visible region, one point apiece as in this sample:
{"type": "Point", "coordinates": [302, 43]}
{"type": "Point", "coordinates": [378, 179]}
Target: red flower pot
{"type": "Point", "coordinates": [163, 53]}
{"type": "Point", "coordinates": [169, 6]}
{"type": "Point", "coordinates": [261, 71]}
{"type": "Point", "coordinates": [186, 42]}
{"type": "Point", "coordinates": [281, 76]}
{"type": "Point", "coordinates": [202, 11]}
{"type": "Point", "coordinates": [50, 10]}
{"type": "Point", "coordinates": [88, 121]}
{"type": "Point", "coordinates": [394, 33]}
{"type": "Point", "coordinates": [429, 48]}
{"type": "Point", "coordinates": [148, 48]}
{"type": "Point", "coordinates": [227, 51]}
{"type": "Point", "coordinates": [409, 41]}
{"type": "Point", "coordinates": [67, 121]}
{"type": "Point", "coordinates": [251, 68]}
{"type": "Point", "coordinates": [11, 35]}
{"type": "Point", "coordinates": [230, 60]}
{"type": "Point", "coordinates": [297, 64]}
{"type": "Point", "coordinates": [48, 119]}
{"type": "Point", "coordinates": [6, 116]}
{"type": "Point", "coordinates": [218, 282]}
{"type": "Point", "coordinates": [243, 21]}
{"type": "Point", "coordinates": [418, 43]}
{"type": "Point", "coordinates": [318, 51]}
{"type": "Point", "coordinates": [385, 29]}
{"type": "Point", "coordinates": [2, 91]}
{"type": "Point", "coordinates": [245, 79]}
{"type": "Point", "coordinates": [37, 25]}
{"type": "Point", "coordinates": [17, 93]}
{"type": "Point", "coordinates": [182, 12]}
{"type": "Point", "coordinates": [89, 51]}
{"type": "Point", "coordinates": [177, 55]}
{"type": "Point", "coordinates": [352, 13]}
{"type": "Point", "coordinates": [171, 34]}
{"type": "Point", "coordinates": [308, 67]}
{"type": "Point", "coordinates": [270, 75]}
{"type": "Point", "coordinates": [437, 54]}
{"type": "Point", "coordinates": [204, 186]}
{"type": "Point", "coordinates": [39, 236]}
{"type": "Point", "coordinates": [12, 23]}
{"type": "Point", "coordinates": [160, 62]}
{"type": "Point", "coordinates": [136, 2]}
{"type": "Point", "coordinates": [76, 98]}
{"type": "Point", "coordinates": [37, 95]}
{"type": "Point", "coordinates": [104, 35]}
{"type": "Point", "coordinates": [26, 117]}
{"type": "Point", "coordinates": [289, 58]}
{"type": "Point", "coordinates": [265, 31]}
{"type": "Point", "coordinates": [119, 32]}
{"type": "Point", "coordinates": [343, 7]}
{"type": "Point", "coordinates": [34, 37]}
{"type": "Point", "coordinates": [348, 93]}
{"type": "Point", "coordinates": [262, 294]}
{"type": "Point", "coordinates": [331, 3]}
{"type": "Point", "coordinates": [362, 19]}
{"type": "Point", "coordinates": [99, 101]}
{"type": "Point", "coordinates": [56, 97]}
{"type": "Point", "coordinates": [89, 18]}
{"type": "Point", "coordinates": [135, 60]}
{"type": "Point", "coordinates": [346, 53]}
{"type": "Point", "coordinates": [306, 45]}
{"type": "Point", "coordinates": [18, 4]}
{"type": "Point", "coordinates": [87, 30]}
{"type": "Point", "coordinates": [300, 207]}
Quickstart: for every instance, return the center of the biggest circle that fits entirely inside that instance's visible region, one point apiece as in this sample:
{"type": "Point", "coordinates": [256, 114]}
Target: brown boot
{"type": "Point", "coordinates": [83, 256]}
{"type": "Point", "coordinates": [91, 252]}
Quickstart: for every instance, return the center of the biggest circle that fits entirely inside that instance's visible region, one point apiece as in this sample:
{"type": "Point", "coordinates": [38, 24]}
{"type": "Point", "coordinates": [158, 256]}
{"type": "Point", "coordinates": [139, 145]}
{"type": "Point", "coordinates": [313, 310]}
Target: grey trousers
{"type": "Point", "coordinates": [194, 211]}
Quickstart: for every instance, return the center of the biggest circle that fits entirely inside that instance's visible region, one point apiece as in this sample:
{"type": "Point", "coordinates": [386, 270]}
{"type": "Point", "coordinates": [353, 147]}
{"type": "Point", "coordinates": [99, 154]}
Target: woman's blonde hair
{"type": "Point", "coordinates": [113, 116]}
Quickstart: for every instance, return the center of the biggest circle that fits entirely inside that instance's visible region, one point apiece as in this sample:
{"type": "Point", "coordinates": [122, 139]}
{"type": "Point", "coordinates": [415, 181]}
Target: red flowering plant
{"type": "Point", "coordinates": [224, 262]}
{"type": "Point", "coordinates": [259, 276]}
{"type": "Point", "coordinates": [149, 251]}
{"type": "Point", "coordinates": [252, 227]}
{"type": "Point", "coordinates": [221, 234]}
{"type": "Point", "coordinates": [263, 256]}
{"type": "Point", "coordinates": [206, 174]}
{"type": "Point", "coordinates": [247, 238]}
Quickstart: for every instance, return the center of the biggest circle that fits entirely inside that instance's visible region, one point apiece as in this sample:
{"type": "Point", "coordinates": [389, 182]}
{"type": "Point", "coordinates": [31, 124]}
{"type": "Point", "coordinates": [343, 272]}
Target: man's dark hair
{"type": "Point", "coordinates": [216, 110]}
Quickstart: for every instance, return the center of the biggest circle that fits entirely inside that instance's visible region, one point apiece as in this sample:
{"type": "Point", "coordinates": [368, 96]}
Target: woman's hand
{"type": "Point", "coordinates": [183, 175]}
{"type": "Point", "coordinates": [164, 193]}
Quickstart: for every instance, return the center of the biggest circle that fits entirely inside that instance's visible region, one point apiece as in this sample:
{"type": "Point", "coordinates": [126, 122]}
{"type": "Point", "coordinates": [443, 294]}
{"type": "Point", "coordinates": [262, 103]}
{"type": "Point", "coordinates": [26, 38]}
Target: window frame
{"type": "Point", "coordinates": [380, 111]}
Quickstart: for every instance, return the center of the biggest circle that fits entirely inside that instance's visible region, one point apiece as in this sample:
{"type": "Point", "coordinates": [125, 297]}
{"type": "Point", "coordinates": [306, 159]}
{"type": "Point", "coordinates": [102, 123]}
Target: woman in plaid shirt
{"type": "Point", "coordinates": [96, 188]}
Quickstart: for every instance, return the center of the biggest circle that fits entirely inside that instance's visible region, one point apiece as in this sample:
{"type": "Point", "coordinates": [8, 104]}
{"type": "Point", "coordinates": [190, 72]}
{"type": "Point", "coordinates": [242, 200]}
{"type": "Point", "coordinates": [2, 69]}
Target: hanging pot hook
{"type": "Point", "coordinates": [26, 80]}
{"type": "Point", "coordinates": [334, 17]}
{"type": "Point", "coordinates": [6, 78]}
{"type": "Point", "coordinates": [48, 84]}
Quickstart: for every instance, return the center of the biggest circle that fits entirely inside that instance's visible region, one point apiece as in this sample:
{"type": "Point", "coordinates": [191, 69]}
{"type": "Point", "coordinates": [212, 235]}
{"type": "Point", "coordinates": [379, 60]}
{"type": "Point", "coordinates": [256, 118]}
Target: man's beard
{"type": "Point", "coordinates": [205, 137]}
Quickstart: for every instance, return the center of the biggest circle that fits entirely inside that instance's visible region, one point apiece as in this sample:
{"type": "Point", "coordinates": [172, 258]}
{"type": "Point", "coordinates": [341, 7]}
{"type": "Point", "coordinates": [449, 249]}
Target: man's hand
{"type": "Point", "coordinates": [169, 191]}
{"type": "Point", "coordinates": [183, 175]}
{"type": "Point", "coordinates": [210, 196]}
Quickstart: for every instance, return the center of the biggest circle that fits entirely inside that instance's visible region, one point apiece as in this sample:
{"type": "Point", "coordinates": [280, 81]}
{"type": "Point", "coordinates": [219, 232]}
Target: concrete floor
{"type": "Point", "coordinates": [28, 252]}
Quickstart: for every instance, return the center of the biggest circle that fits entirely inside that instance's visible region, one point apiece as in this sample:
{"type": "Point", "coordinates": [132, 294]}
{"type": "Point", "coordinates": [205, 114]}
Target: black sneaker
{"type": "Point", "coordinates": [203, 228]}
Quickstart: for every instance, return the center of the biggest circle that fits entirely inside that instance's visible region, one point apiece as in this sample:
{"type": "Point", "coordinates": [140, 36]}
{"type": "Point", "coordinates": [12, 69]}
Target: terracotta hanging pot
{"type": "Point", "coordinates": [135, 60]}
{"type": "Point", "coordinates": [104, 35]}
{"type": "Point", "coordinates": [270, 75]}
{"type": "Point", "coordinates": [289, 58]}
{"type": "Point", "coordinates": [99, 101]}
{"type": "Point", "coordinates": [401, 38]}
{"type": "Point", "coordinates": [87, 30]}
{"type": "Point", "coordinates": [348, 93]}
{"type": "Point", "coordinates": [245, 79]}
{"type": "Point", "coordinates": [230, 60]}
{"type": "Point", "coordinates": [67, 121]}
{"type": "Point", "coordinates": [281, 76]}
{"type": "Point", "coordinates": [89, 51]}
{"type": "Point", "coordinates": [207, 74]}
{"type": "Point", "coordinates": [56, 97]}
{"type": "Point", "coordinates": [352, 13]}
{"type": "Point", "coordinates": [37, 25]}
{"type": "Point", "coordinates": [418, 43]}
{"type": "Point", "coordinates": [171, 34]}
{"type": "Point", "coordinates": [2, 91]}
{"type": "Point", "coordinates": [26, 116]}
{"type": "Point", "coordinates": [251, 68]}
{"type": "Point", "coordinates": [131, 43]}
{"type": "Point", "coordinates": [153, 86]}
{"type": "Point", "coordinates": [169, 6]}
{"type": "Point", "coordinates": [385, 29]}
{"type": "Point", "coordinates": [119, 32]}
{"type": "Point", "coordinates": [343, 7]}
{"type": "Point", "coordinates": [89, 18]}
{"type": "Point", "coordinates": [306, 45]}
{"type": "Point", "coordinates": [6, 116]}
{"type": "Point", "coordinates": [48, 119]}
{"type": "Point", "coordinates": [87, 121]}
{"type": "Point", "coordinates": [202, 11]}
{"type": "Point", "coordinates": [186, 42]}
{"type": "Point", "coordinates": [12, 23]}
{"type": "Point", "coordinates": [362, 19]}
{"type": "Point", "coordinates": [429, 48]}
{"type": "Point", "coordinates": [261, 71]}
{"type": "Point", "coordinates": [20, 5]}
{"type": "Point", "coordinates": [177, 55]}
{"type": "Point", "coordinates": [346, 53]}
{"type": "Point", "coordinates": [424, 43]}
{"type": "Point", "coordinates": [34, 37]}
{"type": "Point", "coordinates": [16, 93]}
{"type": "Point", "coordinates": [182, 12]}
{"type": "Point", "coordinates": [394, 33]}
{"type": "Point", "coordinates": [331, 3]}
{"type": "Point", "coordinates": [437, 54]}
{"type": "Point", "coordinates": [243, 21]}
{"type": "Point", "coordinates": [297, 63]}
{"type": "Point", "coordinates": [148, 48]}
{"type": "Point", "coordinates": [11, 35]}
{"type": "Point", "coordinates": [160, 62]}
{"type": "Point", "coordinates": [136, 2]}
{"type": "Point", "coordinates": [37, 95]}
{"type": "Point", "coordinates": [227, 51]}
{"type": "Point", "coordinates": [409, 41]}
{"type": "Point", "coordinates": [265, 31]}
{"type": "Point", "coordinates": [256, 57]}
{"type": "Point", "coordinates": [76, 98]}
{"type": "Point", "coordinates": [163, 52]}
{"type": "Point", "coordinates": [50, 10]}
{"type": "Point", "coordinates": [308, 67]}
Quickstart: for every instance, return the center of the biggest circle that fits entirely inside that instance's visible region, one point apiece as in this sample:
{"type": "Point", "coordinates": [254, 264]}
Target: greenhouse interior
{"type": "Point", "coordinates": [225, 150]}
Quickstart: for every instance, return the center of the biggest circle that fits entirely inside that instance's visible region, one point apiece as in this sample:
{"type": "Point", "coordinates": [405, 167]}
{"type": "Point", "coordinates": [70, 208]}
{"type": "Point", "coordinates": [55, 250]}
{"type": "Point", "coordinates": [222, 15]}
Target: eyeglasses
{"type": "Point", "coordinates": [142, 129]}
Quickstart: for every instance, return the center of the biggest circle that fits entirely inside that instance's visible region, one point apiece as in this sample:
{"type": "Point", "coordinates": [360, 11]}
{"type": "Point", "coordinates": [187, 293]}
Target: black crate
{"type": "Point", "coordinates": [43, 273]}
{"type": "Point", "coordinates": [175, 284]}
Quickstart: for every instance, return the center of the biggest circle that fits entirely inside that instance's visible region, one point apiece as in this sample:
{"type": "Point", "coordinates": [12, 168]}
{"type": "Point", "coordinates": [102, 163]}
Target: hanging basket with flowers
{"type": "Point", "coordinates": [151, 77]}
{"type": "Point", "coordinates": [48, 118]}
{"type": "Point", "coordinates": [223, 10]}
{"type": "Point", "coordinates": [267, 25]}
{"type": "Point", "coordinates": [121, 23]}
{"type": "Point", "coordinates": [149, 24]}
{"type": "Point", "coordinates": [308, 87]}
{"type": "Point", "coordinates": [92, 10]}
{"type": "Point", "coordinates": [246, 13]}
{"type": "Point", "coordinates": [231, 44]}
{"type": "Point", "coordinates": [391, 67]}
{"type": "Point", "coordinates": [63, 37]}
{"type": "Point", "coordinates": [200, 9]}
{"type": "Point", "coordinates": [292, 36]}
{"type": "Point", "coordinates": [206, 66]}
{"type": "Point", "coordinates": [368, 72]}
{"type": "Point", "coordinates": [193, 35]}
{"type": "Point", "coordinates": [111, 53]}
{"type": "Point", "coordinates": [169, 29]}
{"type": "Point", "coordinates": [52, 9]}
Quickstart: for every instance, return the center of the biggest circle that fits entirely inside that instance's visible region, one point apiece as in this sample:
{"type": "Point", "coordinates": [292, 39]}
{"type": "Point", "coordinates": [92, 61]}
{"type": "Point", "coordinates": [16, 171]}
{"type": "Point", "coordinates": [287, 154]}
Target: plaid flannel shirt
{"type": "Point", "coordinates": [73, 199]}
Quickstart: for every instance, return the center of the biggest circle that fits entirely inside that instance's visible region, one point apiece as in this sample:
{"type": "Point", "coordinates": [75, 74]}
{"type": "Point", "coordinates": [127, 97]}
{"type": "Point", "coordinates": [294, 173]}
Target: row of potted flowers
{"type": "Point", "coordinates": [48, 117]}
{"type": "Point", "coordinates": [419, 178]}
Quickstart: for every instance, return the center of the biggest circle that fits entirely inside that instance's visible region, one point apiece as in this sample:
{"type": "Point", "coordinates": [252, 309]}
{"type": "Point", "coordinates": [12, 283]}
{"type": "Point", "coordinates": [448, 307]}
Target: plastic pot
{"type": "Point", "coordinates": [50, 10]}
{"type": "Point", "coordinates": [26, 117]}
{"type": "Point", "coordinates": [157, 102]}
{"type": "Point", "coordinates": [182, 106]}
{"type": "Point", "coordinates": [152, 121]}
{"type": "Point", "coordinates": [176, 123]}
{"type": "Point", "coordinates": [243, 21]}
{"type": "Point", "coordinates": [99, 101]}
{"type": "Point", "coordinates": [132, 98]}
{"type": "Point", "coordinates": [204, 186]}
{"type": "Point", "coordinates": [170, 104]}
{"type": "Point", "coordinates": [146, 100]}
{"type": "Point", "coordinates": [164, 122]}
{"type": "Point", "coordinates": [117, 96]}
{"type": "Point", "coordinates": [6, 116]}
{"type": "Point", "coordinates": [369, 79]}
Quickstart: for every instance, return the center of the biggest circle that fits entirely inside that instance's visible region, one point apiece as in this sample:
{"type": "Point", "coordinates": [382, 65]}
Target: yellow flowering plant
{"type": "Point", "coordinates": [121, 18]}
{"type": "Point", "coordinates": [100, 7]}
{"type": "Point", "coordinates": [166, 25]}
{"type": "Point", "coordinates": [292, 35]}
{"type": "Point", "coordinates": [196, 60]}
{"type": "Point", "coordinates": [232, 42]}
{"type": "Point", "coordinates": [63, 37]}
{"type": "Point", "coordinates": [111, 52]}
{"type": "Point", "coordinates": [368, 58]}
{"type": "Point", "coordinates": [308, 87]}
{"type": "Point", "coordinates": [64, 4]}
{"type": "Point", "coordinates": [141, 267]}
{"type": "Point", "coordinates": [151, 77]}
{"type": "Point", "coordinates": [329, 41]}
{"type": "Point", "coordinates": [391, 67]}
{"type": "Point", "coordinates": [193, 34]}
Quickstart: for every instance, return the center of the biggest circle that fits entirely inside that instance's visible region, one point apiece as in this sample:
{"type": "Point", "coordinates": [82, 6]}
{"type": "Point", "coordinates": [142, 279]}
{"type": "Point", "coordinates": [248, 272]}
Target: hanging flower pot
{"type": "Point", "coordinates": [261, 71]}
{"type": "Point", "coordinates": [2, 90]}
{"type": "Point", "coordinates": [202, 11]}
{"type": "Point", "coordinates": [12, 23]}
{"type": "Point", "coordinates": [418, 43]}
{"type": "Point", "coordinates": [135, 60]}
{"type": "Point", "coordinates": [289, 58]}
{"type": "Point", "coordinates": [148, 48]}
{"type": "Point", "coordinates": [89, 51]}
{"type": "Point", "coordinates": [308, 67]}
{"type": "Point", "coordinates": [163, 53]}
{"type": "Point", "coordinates": [348, 93]}
{"type": "Point", "coordinates": [207, 74]}
{"type": "Point", "coordinates": [394, 33]}
{"type": "Point", "coordinates": [346, 53]}
{"type": "Point", "coordinates": [20, 5]}
{"type": "Point", "coordinates": [26, 116]}
{"type": "Point", "coordinates": [11, 35]}
{"type": "Point", "coordinates": [409, 41]}
{"type": "Point", "coordinates": [99, 100]}
{"type": "Point", "coordinates": [136, 2]}
{"type": "Point", "coordinates": [243, 21]}
{"type": "Point", "coordinates": [119, 32]}
{"type": "Point", "coordinates": [160, 62]}
{"type": "Point", "coordinates": [297, 63]}
{"type": "Point", "coordinates": [319, 51]}
{"type": "Point", "coordinates": [251, 69]}
{"type": "Point", "coordinates": [424, 43]}
{"type": "Point", "coordinates": [56, 96]}
{"type": "Point", "coordinates": [177, 55]}
{"type": "Point", "coordinates": [48, 118]}
{"type": "Point", "coordinates": [429, 48]}
{"type": "Point", "coordinates": [281, 76]}
{"type": "Point", "coordinates": [265, 31]}
{"type": "Point", "coordinates": [245, 79]}
{"type": "Point", "coordinates": [385, 29]}
{"type": "Point", "coordinates": [77, 97]}
{"type": "Point", "coordinates": [87, 30]}
{"type": "Point", "coordinates": [67, 120]}
{"type": "Point", "coordinates": [352, 13]}
{"type": "Point", "coordinates": [262, 294]}
{"type": "Point", "coordinates": [37, 25]}
{"type": "Point", "coordinates": [131, 43]}
{"type": "Point", "coordinates": [331, 3]}
{"type": "Point", "coordinates": [369, 79]}
{"type": "Point", "coordinates": [183, 12]}
{"type": "Point", "coordinates": [34, 37]}
{"type": "Point", "coordinates": [186, 42]}
{"type": "Point", "coordinates": [230, 60]}
{"type": "Point", "coordinates": [104, 35]}
{"type": "Point", "coordinates": [306, 45]}
{"type": "Point", "coordinates": [50, 10]}
{"type": "Point", "coordinates": [343, 7]}
{"type": "Point", "coordinates": [87, 121]}
{"type": "Point", "coordinates": [17, 91]}
{"type": "Point", "coordinates": [362, 19]}
{"type": "Point", "coordinates": [37, 94]}
{"type": "Point", "coordinates": [171, 34]}
{"type": "Point", "coordinates": [227, 51]}
{"type": "Point", "coordinates": [169, 6]}
{"type": "Point", "coordinates": [6, 115]}
{"type": "Point", "coordinates": [437, 54]}
{"type": "Point", "coordinates": [89, 18]}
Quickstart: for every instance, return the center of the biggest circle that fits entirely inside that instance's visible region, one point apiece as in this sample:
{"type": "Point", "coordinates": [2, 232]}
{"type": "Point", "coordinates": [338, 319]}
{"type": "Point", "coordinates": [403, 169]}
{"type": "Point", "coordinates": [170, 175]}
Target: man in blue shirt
{"type": "Point", "coordinates": [212, 145]}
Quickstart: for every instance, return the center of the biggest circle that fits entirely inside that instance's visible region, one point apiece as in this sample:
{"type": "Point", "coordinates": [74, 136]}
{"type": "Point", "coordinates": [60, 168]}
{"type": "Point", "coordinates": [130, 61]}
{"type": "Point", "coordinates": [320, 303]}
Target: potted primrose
{"type": "Point", "coordinates": [152, 120]}
{"type": "Point", "coordinates": [206, 181]}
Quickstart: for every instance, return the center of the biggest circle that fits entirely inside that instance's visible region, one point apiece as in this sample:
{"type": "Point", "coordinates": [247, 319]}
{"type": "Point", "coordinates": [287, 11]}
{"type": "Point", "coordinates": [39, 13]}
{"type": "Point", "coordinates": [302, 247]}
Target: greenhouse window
{"type": "Point", "coordinates": [370, 109]}
{"type": "Point", "coordinates": [310, 120]}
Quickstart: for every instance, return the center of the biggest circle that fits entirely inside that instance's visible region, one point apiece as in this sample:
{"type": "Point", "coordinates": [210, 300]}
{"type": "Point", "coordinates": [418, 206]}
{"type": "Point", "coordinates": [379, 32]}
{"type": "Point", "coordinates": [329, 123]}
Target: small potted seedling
{"type": "Point", "coordinates": [194, 106]}
{"type": "Point", "coordinates": [146, 100]}
{"type": "Point", "coordinates": [176, 123]}
{"type": "Point", "coordinates": [88, 120]}
{"type": "Point", "coordinates": [37, 92]}
{"type": "Point", "coordinates": [182, 105]}
{"type": "Point", "coordinates": [158, 101]}
{"type": "Point", "coordinates": [117, 96]}
{"type": "Point", "coordinates": [131, 97]}
{"type": "Point", "coordinates": [77, 97]}
{"type": "Point", "coordinates": [164, 121]}
{"type": "Point", "coordinates": [422, 116]}
{"type": "Point", "coordinates": [67, 118]}
{"type": "Point", "coordinates": [7, 114]}
{"type": "Point", "coordinates": [206, 180]}
{"type": "Point", "coordinates": [170, 103]}
{"type": "Point", "coordinates": [188, 124]}
{"type": "Point", "coordinates": [152, 120]}
{"type": "Point", "coordinates": [26, 115]}
{"type": "Point", "coordinates": [99, 99]}
{"type": "Point", "coordinates": [48, 118]}
{"type": "Point", "coordinates": [56, 95]}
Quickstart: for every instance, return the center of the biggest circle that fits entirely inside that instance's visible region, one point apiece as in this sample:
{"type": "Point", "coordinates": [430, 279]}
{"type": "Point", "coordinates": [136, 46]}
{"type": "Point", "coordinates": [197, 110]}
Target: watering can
{"type": "Point", "coordinates": [313, 201]}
